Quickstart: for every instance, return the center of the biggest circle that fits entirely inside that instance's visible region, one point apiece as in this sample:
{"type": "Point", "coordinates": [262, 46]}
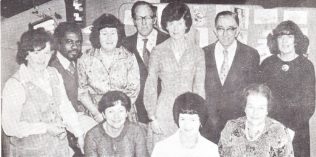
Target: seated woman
{"type": "Point", "coordinates": [189, 113]}
{"type": "Point", "coordinates": [116, 136]}
{"type": "Point", "coordinates": [255, 134]}
{"type": "Point", "coordinates": [35, 109]}
{"type": "Point", "coordinates": [107, 66]}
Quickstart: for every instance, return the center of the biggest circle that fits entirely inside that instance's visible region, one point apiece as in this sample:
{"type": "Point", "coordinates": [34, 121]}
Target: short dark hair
{"type": "Point", "coordinates": [106, 21]}
{"type": "Point", "coordinates": [261, 89]}
{"type": "Point", "coordinates": [31, 40]}
{"type": "Point", "coordinates": [175, 11]}
{"type": "Point", "coordinates": [301, 42]}
{"type": "Point", "coordinates": [139, 3]}
{"type": "Point", "coordinates": [190, 103]}
{"type": "Point", "coordinates": [226, 13]}
{"type": "Point", "coordinates": [109, 99]}
{"type": "Point", "coordinates": [65, 27]}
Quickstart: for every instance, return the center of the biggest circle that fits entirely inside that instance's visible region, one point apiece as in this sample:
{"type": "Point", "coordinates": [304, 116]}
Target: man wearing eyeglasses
{"type": "Point", "coordinates": [141, 43]}
{"type": "Point", "coordinates": [230, 67]}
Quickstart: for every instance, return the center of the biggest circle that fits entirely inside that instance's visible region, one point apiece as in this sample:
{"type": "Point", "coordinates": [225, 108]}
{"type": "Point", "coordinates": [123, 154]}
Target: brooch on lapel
{"type": "Point", "coordinates": [285, 67]}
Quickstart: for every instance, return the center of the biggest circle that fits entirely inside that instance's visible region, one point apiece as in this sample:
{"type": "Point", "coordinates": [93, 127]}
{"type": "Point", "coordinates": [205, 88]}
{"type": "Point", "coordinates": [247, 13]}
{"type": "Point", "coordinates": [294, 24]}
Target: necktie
{"type": "Point", "coordinates": [224, 67]}
{"type": "Point", "coordinates": [145, 53]}
{"type": "Point", "coordinates": [71, 68]}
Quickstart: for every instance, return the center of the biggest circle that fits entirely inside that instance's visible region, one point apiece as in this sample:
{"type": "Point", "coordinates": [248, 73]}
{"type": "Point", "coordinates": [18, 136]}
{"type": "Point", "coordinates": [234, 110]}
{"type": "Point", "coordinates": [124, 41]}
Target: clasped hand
{"type": "Point", "coordinates": [57, 129]}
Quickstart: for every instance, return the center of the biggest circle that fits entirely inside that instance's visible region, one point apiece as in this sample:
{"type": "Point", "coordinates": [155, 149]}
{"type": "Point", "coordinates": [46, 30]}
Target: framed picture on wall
{"type": "Point", "coordinates": [75, 11]}
{"type": "Point", "coordinates": [47, 23]}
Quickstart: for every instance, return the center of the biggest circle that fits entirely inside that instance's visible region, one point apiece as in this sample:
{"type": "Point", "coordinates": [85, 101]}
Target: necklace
{"type": "Point", "coordinates": [113, 136]}
{"type": "Point", "coordinates": [255, 134]}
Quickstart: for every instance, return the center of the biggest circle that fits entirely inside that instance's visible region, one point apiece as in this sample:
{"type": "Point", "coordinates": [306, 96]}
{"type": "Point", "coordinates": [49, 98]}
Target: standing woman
{"type": "Point", "coordinates": [291, 77]}
{"type": "Point", "coordinates": [108, 66]}
{"type": "Point", "coordinates": [35, 109]}
{"type": "Point", "coordinates": [179, 63]}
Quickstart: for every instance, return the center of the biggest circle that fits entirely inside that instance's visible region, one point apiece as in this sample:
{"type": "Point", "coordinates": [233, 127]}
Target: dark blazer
{"type": "Point", "coordinates": [70, 82]}
{"type": "Point", "coordinates": [130, 43]}
{"type": "Point", "coordinates": [225, 101]}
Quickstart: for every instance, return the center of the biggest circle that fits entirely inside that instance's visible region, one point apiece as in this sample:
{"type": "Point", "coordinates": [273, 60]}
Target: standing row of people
{"type": "Point", "coordinates": [152, 70]}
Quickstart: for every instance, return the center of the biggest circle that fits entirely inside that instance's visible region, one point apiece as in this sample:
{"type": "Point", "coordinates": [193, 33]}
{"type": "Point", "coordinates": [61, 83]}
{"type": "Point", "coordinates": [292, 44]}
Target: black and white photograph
{"type": "Point", "coordinates": [158, 78]}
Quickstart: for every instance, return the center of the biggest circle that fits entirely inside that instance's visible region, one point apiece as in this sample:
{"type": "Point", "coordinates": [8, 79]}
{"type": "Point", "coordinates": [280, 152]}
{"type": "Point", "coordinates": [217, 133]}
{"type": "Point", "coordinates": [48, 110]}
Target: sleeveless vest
{"type": "Point", "coordinates": [40, 107]}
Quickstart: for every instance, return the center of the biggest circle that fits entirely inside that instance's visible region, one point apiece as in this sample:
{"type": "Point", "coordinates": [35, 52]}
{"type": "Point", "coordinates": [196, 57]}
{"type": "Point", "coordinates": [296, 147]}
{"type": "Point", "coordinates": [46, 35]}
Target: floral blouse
{"type": "Point", "coordinates": [274, 142]}
{"type": "Point", "coordinates": [95, 79]}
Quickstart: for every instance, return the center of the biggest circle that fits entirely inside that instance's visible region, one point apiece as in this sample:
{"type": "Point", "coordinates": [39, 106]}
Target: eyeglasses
{"type": "Point", "coordinates": [229, 30]}
{"type": "Point", "coordinates": [141, 18]}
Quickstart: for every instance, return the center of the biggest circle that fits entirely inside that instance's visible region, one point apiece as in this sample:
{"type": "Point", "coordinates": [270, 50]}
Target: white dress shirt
{"type": "Point", "coordinates": [172, 147]}
{"type": "Point", "coordinates": [219, 55]}
{"type": "Point", "coordinates": [64, 61]}
{"type": "Point", "coordinates": [152, 40]}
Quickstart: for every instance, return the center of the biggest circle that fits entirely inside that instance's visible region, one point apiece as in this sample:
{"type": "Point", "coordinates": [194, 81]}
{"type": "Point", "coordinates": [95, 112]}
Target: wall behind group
{"type": "Point", "coordinates": [255, 23]}
{"type": "Point", "coordinates": [13, 27]}
{"type": "Point", "coordinates": [254, 34]}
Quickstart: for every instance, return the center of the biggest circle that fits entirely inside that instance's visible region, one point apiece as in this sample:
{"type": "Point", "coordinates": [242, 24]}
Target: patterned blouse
{"type": "Point", "coordinates": [274, 142]}
{"type": "Point", "coordinates": [95, 79]}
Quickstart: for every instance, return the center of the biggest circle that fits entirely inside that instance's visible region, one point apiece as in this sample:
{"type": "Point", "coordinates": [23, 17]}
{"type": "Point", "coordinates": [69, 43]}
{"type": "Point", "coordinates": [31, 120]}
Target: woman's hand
{"type": "Point", "coordinates": [56, 129]}
{"type": "Point", "coordinates": [98, 117]}
{"type": "Point", "coordinates": [155, 126]}
{"type": "Point", "coordinates": [80, 143]}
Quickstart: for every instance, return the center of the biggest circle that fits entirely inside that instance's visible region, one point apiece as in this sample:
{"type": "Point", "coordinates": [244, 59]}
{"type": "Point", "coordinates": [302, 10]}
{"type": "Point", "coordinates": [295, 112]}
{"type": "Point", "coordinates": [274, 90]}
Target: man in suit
{"type": "Point", "coordinates": [230, 67]}
{"type": "Point", "coordinates": [68, 37]}
{"type": "Point", "coordinates": [140, 44]}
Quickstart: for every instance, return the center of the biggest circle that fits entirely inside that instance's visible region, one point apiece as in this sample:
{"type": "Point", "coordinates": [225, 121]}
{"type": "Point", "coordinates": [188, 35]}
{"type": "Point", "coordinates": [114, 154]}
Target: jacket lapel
{"type": "Point", "coordinates": [133, 48]}
{"type": "Point", "coordinates": [161, 37]}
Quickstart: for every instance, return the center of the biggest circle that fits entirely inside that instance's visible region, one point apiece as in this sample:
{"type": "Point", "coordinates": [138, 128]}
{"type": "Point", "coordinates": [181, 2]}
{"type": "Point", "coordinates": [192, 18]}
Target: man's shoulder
{"type": "Point", "coordinates": [131, 37]}
{"type": "Point", "coordinates": [54, 62]}
{"type": "Point", "coordinates": [129, 42]}
{"type": "Point", "coordinates": [161, 36]}
{"type": "Point", "coordinates": [246, 48]}
{"type": "Point", "coordinates": [209, 48]}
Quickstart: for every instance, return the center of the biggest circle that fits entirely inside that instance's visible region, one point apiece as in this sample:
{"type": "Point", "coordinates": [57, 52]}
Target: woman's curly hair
{"type": "Point", "coordinates": [301, 41]}
{"type": "Point", "coordinates": [106, 21]}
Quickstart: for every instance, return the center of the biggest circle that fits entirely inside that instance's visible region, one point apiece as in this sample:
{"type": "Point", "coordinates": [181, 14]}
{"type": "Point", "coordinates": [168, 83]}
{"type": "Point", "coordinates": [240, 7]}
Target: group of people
{"type": "Point", "coordinates": [159, 95]}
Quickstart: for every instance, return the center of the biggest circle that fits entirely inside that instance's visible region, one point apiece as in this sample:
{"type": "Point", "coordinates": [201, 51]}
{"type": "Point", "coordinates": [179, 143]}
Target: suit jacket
{"type": "Point", "coordinates": [225, 101]}
{"type": "Point", "coordinates": [70, 82]}
{"type": "Point", "coordinates": [130, 43]}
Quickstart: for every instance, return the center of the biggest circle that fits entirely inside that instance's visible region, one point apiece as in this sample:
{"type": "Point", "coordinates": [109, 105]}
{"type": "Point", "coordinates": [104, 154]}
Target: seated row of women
{"type": "Point", "coordinates": [252, 135]}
